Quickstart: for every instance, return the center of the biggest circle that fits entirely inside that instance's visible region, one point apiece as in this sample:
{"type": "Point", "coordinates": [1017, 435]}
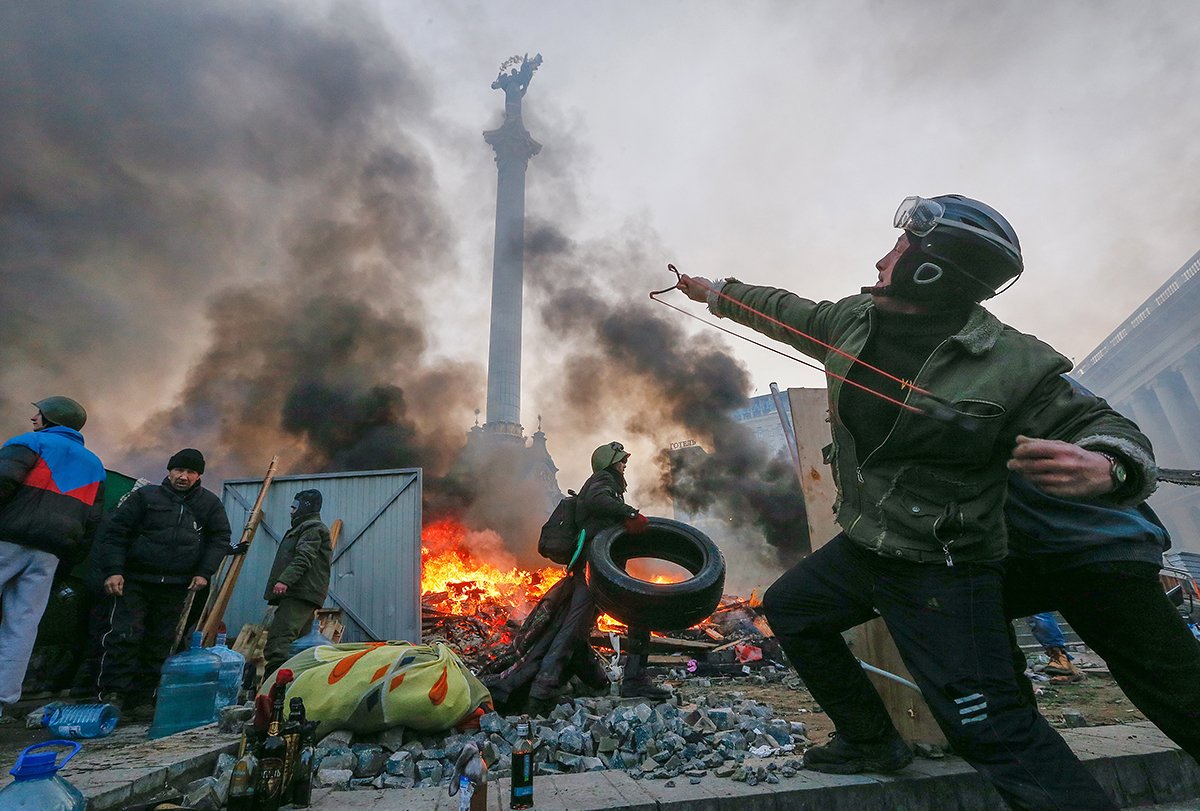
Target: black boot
{"type": "Point", "coordinates": [840, 756]}
{"type": "Point", "coordinates": [636, 684]}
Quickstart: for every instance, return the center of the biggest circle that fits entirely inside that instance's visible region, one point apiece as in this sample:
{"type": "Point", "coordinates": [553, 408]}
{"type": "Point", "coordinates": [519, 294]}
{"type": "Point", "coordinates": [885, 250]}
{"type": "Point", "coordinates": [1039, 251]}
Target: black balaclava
{"type": "Point", "coordinates": [306, 502]}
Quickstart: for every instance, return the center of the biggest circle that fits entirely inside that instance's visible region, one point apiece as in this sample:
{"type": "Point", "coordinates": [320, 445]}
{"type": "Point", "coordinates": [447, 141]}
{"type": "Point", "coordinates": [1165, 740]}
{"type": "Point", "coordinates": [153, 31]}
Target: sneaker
{"type": "Point", "coordinates": [644, 688]}
{"type": "Point", "coordinates": [1059, 664]}
{"type": "Point", "coordinates": [840, 756]}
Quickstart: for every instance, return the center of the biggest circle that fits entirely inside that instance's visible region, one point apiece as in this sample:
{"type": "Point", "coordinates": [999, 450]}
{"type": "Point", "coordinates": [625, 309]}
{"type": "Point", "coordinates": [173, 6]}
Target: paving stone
{"type": "Point", "coordinates": [335, 778]}
{"type": "Point", "coordinates": [339, 737]}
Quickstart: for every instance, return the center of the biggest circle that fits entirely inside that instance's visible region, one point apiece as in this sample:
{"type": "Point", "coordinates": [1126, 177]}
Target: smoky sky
{"type": "Point", "coordinates": [219, 206]}
{"type": "Point", "coordinates": [621, 354]}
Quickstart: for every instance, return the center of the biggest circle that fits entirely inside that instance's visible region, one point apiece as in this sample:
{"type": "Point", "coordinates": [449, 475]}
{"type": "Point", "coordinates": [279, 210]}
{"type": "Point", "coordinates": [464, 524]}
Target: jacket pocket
{"type": "Point", "coordinates": [829, 455]}
{"type": "Point", "coordinates": [930, 506]}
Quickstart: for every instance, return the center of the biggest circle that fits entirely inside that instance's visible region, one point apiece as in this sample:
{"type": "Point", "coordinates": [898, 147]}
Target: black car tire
{"type": "Point", "coordinates": [657, 606]}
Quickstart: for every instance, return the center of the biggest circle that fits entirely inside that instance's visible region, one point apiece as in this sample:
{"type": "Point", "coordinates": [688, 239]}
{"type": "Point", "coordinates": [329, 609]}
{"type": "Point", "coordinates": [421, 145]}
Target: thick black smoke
{"type": "Point", "coordinates": [624, 354]}
{"type": "Point", "coordinates": [221, 200]}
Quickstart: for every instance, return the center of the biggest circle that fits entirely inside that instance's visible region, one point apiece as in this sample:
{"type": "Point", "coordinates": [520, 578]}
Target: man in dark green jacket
{"type": "Point", "coordinates": [932, 401]}
{"type": "Point", "coordinates": [299, 577]}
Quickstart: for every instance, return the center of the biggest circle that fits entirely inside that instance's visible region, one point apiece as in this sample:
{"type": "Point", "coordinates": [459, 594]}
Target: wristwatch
{"type": "Point", "coordinates": [1116, 469]}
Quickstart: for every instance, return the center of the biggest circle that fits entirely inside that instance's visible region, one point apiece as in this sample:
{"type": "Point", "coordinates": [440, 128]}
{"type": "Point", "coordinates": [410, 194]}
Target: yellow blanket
{"type": "Point", "coordinates": [371, 686]}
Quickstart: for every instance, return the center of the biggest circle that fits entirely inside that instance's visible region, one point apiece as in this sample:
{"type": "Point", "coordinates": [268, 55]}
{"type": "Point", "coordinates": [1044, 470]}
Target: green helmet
{"type": "Point", "coordinates": [62, 411]}
{"type": "Point", "coordinates": [608, 455]}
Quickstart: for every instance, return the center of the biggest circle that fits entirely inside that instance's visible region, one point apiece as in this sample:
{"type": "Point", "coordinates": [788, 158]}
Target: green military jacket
{"type": "Point", "coordinates": [302, 562]}
{"type": "Point", "coordinates": [934, 491]}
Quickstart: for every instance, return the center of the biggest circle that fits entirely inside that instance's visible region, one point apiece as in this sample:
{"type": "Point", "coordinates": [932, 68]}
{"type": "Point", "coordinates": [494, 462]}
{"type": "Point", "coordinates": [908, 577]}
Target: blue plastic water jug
{"type": "Point", "coordinates": [187, 691]}
{"type": "Point", "coordinates": [81, 720]}
{"type": "Point", "coordinates": [36, 785]}
{"type": "Point", "coordinates": [230, 681]}
{"type": "Point", "coordinates": [310, 640]}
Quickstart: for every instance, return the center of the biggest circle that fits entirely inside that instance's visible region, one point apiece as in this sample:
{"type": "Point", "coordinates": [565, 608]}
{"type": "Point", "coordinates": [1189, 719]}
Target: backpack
{"type": "Point", "coordinates": [560, 534]}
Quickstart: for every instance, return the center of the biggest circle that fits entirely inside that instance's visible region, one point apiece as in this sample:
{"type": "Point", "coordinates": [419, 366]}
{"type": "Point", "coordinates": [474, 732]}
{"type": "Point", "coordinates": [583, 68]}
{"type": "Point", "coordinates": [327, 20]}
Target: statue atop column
{"type": "Point", "coordinates": [515, 82]}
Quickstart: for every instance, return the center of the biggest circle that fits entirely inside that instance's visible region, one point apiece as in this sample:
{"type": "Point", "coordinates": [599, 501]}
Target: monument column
{"type": "Point", "coordinates": [514, 147]}
{"type": "Point", "coordinates": [1150, 417]}
{"type": "Point", "coordinates": [1180, 410]}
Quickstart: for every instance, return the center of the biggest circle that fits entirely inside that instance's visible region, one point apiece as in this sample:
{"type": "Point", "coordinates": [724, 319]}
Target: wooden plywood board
{"type": "Point", "coordinates": [810, 411]}
{"type": "Point", "coordinates": [871, 641]}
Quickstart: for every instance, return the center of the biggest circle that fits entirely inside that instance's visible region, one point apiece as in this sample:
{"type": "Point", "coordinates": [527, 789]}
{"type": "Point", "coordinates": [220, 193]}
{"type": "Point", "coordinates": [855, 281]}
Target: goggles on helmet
{"type": "Point", "coordinates": [919, 216]}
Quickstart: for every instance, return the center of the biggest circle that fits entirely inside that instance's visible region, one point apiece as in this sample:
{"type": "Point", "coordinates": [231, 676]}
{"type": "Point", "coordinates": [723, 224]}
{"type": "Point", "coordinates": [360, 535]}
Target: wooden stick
{"type": "Point", "coordinates": [213, 587]}
{"type": "Point", "coordinates": [187, 609]}
{"type": "Point", "coordinates": [213, 621]}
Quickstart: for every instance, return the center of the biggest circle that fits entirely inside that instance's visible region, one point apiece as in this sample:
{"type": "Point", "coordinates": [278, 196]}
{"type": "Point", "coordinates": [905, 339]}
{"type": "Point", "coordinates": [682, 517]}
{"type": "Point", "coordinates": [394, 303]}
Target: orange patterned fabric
{"type": "Point", "coordinates": [370, 686]}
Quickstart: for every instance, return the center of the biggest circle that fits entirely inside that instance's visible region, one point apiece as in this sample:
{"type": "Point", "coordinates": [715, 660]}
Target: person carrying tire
{"type": "Point", "coordinates": [602, 505]}
{"type": "Point", "coordinates": [932, 400]}
{"type": "Point", "coordinates": [554, 642]}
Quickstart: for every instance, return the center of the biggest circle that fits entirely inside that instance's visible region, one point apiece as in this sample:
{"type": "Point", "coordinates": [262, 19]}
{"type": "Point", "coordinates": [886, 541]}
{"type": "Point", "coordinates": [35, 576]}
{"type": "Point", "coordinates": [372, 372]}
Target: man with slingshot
{"type": "Point", "coordinates": [932, 402]}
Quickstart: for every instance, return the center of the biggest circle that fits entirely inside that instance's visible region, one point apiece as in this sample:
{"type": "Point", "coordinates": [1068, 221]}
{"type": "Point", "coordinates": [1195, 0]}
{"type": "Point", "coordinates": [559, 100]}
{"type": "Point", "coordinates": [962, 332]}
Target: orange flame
{"type": "Point", "coordinates": [455, 578]}
{"type": "Point", "coordinates": [456, 581]}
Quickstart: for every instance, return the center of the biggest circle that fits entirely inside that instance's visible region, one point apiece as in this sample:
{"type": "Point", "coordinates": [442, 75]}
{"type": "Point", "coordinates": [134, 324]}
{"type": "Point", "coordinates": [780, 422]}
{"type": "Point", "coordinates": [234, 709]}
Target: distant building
{"type": "Point", "coordinates": [762, 417]}
{"type": "Point", "coordinates": [753, 502]}
{"type": "Point", "coordinates": [1149, 370]}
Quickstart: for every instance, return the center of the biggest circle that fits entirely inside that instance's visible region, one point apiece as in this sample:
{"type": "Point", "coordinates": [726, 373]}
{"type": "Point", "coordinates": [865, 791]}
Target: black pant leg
{"type": "Point", "coordinates": [122, 632]}
{"type": "Point", "coordinates": [949, 626]}
{"type": "Point", "coordinates": [1121, 611]}
{"type": "Point", "coordinates": [575, 623]}
{"type": "Point", "coordinates": [808, 607]}
{"type": "Point", "coordinates": [164, 603]}
{"type": "Point", "coordinates": [1027, 591]}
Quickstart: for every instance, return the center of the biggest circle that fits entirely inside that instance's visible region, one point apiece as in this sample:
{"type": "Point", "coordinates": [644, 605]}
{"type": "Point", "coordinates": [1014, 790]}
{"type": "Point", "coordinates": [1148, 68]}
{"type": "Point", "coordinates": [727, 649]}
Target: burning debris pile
{"type": "Point", "coordinates": [475, 607]}
{"type": "Point", "coordinates": [470, 603]}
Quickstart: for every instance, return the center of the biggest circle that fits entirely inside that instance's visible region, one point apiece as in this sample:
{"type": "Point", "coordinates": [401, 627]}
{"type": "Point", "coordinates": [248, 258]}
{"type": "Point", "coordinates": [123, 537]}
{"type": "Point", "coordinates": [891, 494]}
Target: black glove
{"type": "Point", "coordinates": [241, 549]}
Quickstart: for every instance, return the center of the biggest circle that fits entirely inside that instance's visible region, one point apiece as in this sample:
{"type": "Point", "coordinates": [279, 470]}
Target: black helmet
{"type": "Point", "coordinates": [608, 455]}
{"type": "Point", "coordinates": [62, 411]}
{"type": "Point", "coordinates": [960, 250]}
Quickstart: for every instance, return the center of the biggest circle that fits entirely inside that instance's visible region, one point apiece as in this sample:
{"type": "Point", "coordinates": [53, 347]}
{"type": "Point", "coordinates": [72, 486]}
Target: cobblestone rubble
{"type": "Point", "coordinates": [655, 742]}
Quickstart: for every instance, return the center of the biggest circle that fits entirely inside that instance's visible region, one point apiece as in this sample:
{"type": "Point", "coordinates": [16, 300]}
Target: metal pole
{"type": "Point", "coordinates": [789, 433]}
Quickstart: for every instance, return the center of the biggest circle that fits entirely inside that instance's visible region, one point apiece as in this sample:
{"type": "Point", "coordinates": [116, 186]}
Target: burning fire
{"type": "Point", "coordinates": [472, 574]}
{"type": "Point", "coordinates": [455, 580]}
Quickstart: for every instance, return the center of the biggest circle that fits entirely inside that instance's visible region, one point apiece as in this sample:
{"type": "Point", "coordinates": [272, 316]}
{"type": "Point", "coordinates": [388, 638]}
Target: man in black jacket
{"type": "Point", "coordinates": [164, 541]}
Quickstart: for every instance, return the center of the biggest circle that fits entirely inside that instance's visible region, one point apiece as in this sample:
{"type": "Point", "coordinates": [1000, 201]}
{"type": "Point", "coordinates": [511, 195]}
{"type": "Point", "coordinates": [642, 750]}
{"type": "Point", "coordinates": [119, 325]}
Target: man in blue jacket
{"type": "Point", "coordinates": [51, 498]}
{"type": "Point", "coordinates": [1098, 565]}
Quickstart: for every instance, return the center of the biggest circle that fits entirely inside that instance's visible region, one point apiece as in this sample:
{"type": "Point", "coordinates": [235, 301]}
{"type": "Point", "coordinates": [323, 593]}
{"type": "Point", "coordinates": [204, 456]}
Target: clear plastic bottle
{"type": "Point", "coordinates": [36, 785]}
{"type": "Point", "coordinates": [310, 640]}
{"type": "Point", "coordinates": [187, 691]}
{"type": "Point", "coordinates": [81, 720]}
{"type": "Point", "coordinates": [466, 790]}
{"type": "Point", "coordinates": [229, 684]}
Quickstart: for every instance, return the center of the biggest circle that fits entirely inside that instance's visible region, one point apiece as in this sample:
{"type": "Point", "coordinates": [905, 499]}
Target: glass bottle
{"type": "Point", "coordinates": [522, 769]}
{"type": "Point", "coordinates": [302, 783]}
{"type": "Point", "coordinates": [291, 736]}
{"type": "Point", "coordinates": [241, 782]}
{"type": "Point", "coordinates": [272, 758]}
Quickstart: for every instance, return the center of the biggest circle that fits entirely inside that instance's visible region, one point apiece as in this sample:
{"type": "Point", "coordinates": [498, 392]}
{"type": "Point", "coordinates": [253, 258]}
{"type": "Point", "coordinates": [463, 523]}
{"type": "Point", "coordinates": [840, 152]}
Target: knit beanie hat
{"type": "Point", "coordinates": [307, 501]}
{"type": "Point", "coordinates": [188, 459]}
